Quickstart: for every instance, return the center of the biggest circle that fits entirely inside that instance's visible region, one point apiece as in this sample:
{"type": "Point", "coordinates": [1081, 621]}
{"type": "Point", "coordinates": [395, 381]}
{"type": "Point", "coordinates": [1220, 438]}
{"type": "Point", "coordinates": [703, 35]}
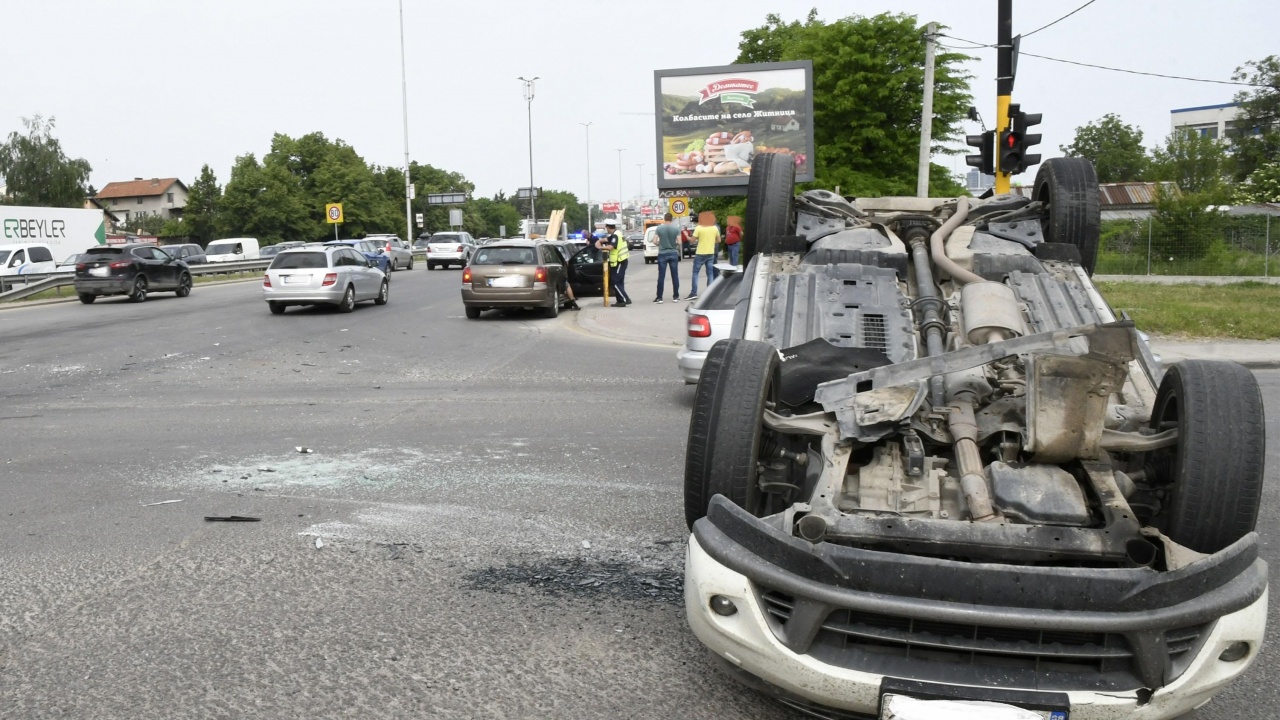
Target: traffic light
{"type": "Point", "coordinates": [1021, 121]}
{"type": "Point", "coordinates": [985, 159]}
{"type": "Point", "coordinates": [1015, 141]}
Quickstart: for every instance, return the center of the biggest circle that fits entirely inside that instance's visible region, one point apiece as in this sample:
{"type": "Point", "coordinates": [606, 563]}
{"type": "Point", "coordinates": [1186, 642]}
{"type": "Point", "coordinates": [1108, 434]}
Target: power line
{"type": "Point", "coordinates": [1139, 72]}
{"type": "Point", "coordinates": [976, 45]}
{"type": "Point", "coordinates": [1064, 17]}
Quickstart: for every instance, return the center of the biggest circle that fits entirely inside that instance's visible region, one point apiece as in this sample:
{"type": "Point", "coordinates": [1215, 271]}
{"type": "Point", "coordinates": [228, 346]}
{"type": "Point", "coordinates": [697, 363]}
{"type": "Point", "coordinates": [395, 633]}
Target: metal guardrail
{"type": "Point", "coordinates": [17, 287]}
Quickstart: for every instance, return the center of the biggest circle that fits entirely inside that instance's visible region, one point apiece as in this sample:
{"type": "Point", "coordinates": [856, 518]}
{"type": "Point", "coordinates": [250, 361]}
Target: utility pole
{"type": "Point", "coordinates": [528, 99]}
{"type": "Point", "coordinates": [587, 127]}
{"type": "Point", "coordinates": [619, 151]}
{"type": "Point", "coordinates": [1004, 83]}
{"type": "Point", "coordinates": [404, 98]}
{"type": "Point", "coordinates": [926, 114]}
{"type": "Point", "coordinates": [640, 173]}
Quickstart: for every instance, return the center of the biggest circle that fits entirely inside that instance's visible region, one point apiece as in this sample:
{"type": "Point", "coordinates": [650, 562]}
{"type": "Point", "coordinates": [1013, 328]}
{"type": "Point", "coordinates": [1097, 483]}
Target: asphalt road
{"type": "Point", "coordinates": [489, 524]}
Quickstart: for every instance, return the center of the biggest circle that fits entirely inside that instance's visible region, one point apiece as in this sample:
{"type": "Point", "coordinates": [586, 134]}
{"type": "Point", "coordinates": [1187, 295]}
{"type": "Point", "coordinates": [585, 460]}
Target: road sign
{"type": "Point", "coordinates": [446, 198]}
{"type": "Point", "coordinates": [418, 217]}
{"type": "Point", "coordinates": [525, 193]}
{"type": "Point", "coordinates": [680, 206]}
{"type": "Point", "coordinates": [333, 212]}
{"type": "Point", "coordinates": [502, 231]}
{"type": "Point", "coordinates": [455, 218]}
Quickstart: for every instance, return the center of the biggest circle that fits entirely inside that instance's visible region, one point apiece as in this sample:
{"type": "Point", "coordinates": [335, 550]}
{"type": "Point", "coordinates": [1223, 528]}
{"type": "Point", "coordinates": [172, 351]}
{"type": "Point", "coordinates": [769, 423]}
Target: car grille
{"type": "Point", "coordinates": [932, 650]}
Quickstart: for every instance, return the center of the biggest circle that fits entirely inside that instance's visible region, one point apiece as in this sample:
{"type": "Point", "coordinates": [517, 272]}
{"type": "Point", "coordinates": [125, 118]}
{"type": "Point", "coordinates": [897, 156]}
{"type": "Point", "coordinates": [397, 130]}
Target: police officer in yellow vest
{"type": "Point", "coordinates": [618, 254]}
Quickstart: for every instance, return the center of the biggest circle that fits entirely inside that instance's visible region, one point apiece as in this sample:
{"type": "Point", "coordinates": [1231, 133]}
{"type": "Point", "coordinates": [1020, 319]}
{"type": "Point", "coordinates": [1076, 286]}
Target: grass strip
{"type": "Point", "coordinates": [1247, 311]}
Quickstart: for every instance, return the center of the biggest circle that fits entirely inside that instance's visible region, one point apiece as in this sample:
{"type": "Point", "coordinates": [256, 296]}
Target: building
{"type": "Point", "coordinates": [109, 219]}
{"type": "Point", "coordinates": [1212, 121]}
{"type": "Point", "coordinates": [1131, 200]}
{"type": "Point", "coordinates": [787, 124]}
{"type": "Point", "coordinates": [165, 197]}
{"type": "Point", "coordinates": [975, 181]}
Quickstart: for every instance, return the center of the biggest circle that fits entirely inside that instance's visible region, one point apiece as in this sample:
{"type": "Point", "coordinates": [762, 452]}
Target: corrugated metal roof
{"type": "Point", "coordinates": [1129, 194]}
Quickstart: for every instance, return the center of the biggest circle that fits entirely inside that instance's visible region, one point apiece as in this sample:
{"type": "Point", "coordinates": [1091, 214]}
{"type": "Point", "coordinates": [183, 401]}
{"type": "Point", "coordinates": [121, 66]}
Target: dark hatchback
{"type": "Point", "coordinates": [132, 270]}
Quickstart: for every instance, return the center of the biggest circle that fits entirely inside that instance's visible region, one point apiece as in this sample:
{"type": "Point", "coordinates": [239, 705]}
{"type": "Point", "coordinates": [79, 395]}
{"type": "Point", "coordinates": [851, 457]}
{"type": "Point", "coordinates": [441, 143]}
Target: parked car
{"type": "Point", "coordinates": [450, 248]}
{"type": "Point", "coordinates": [651, 245]}
{"type": "Point", "coordinates": [232, 250]}
{"type": "Point", "coordinates": [271, 251]}
{"type": "Point", "coordinates": [133, 270]}
{"type": "Point", "coordinates": [710, 318]}
{"type": "Point", "coordinates": [189, 253]}
{"type": "Point", "coordinates": [931, 463]}
{"type": "Point", "coordinates": [514, 274]}
{"type": "Point", "coordinates": [370, 250]}
{"type": "Point", "coordinates": [401, 256]}
{"type": "Point", "coordinates": [69, 265]}
{"type": "Point", "coordinates": [337, 274]}
{"type": "Point", "coordinates": [26, 258]}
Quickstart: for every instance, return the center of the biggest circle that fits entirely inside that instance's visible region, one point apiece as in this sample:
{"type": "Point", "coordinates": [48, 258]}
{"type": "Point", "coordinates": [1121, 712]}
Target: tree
{"type": "Point", "coordinates": [265, 201]}
{"type": "Point", "coordinates": [146, 224]}
{"type": "Point", "coordinates": [1114, 147]}
{"type": "Point", "coordinates": [868, 84]}
{"type": "Point", "coordinates": [204, 201]}
{"type": "Point", "coordinates": [1263, 186]}
{"type": "Point", "coordinates": [495, 214]}
{"type": "Point", "coordinates": [1194, 162]}
{"type": "Point", "coordinates": [38, 172]}
{"type": "Point", "coordinates": [1256, 136]}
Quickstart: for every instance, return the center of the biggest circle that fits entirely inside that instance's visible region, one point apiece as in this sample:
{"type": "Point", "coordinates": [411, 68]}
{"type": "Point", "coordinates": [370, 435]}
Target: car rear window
{"type": "Point", "coordinates": [722, 295]}
{"type": "Point", "coordinates": [300, 261]}
{"type": "Point", "coordinates": [446, 238]}
{"type": "Point", "coordinates": [105, 251]}
{"type": "Point", "coordinates": [504, 256]}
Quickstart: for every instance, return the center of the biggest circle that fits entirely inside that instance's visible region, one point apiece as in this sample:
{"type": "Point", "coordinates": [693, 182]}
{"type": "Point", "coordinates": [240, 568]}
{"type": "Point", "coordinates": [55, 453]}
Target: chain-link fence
{"type": "Point", "coordinates": [1200, 243]}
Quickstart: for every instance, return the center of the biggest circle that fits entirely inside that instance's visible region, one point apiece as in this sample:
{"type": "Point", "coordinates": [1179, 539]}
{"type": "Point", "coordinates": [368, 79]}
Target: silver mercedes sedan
{"type": "Point", "coordinates": [335, 275]}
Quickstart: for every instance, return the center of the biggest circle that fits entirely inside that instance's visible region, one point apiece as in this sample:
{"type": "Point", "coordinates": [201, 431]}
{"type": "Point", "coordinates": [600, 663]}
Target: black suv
{"type": "Point", "coordinates": [131, 270]}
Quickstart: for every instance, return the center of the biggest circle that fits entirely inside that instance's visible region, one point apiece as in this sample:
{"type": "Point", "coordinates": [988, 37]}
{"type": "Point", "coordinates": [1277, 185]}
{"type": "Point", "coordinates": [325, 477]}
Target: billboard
{"type": "Point", "coordinates": [712, 120]}
{"type": "Point", "coordinates": [65, 230]}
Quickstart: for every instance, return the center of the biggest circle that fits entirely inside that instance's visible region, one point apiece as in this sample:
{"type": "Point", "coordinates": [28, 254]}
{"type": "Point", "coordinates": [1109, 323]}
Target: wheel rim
{"type": "Point", "coordinates": [185, 284]}
{"type": "Point", "coordinates": [349, 300]}
{"type": "Point", "coordinates": [382, 294]}
{"type": "Point", "coordinates": [140, 288]}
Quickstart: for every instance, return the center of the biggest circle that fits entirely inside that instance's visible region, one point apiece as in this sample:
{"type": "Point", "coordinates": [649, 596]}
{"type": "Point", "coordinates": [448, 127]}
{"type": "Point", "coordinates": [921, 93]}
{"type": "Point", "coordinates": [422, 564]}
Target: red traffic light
{"type": "Point", "coordinates": [1011, 139]}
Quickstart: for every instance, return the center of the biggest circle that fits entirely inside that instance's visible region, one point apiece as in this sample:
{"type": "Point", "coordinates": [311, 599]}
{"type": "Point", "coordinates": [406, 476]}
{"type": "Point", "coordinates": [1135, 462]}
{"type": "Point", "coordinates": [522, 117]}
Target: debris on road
{"type": "Point", "coordinates": [303, 450]}
{"type": "Point", "coordinates": [583, 578]}
{"type": "Point", "coordinates": [586, 544]}
{"type": "Point", "coordinates": [231, 518]}
{"type": "Point", "coordinates": [162, 502]}
{"type": "Point", "coordinates": [319, 543]}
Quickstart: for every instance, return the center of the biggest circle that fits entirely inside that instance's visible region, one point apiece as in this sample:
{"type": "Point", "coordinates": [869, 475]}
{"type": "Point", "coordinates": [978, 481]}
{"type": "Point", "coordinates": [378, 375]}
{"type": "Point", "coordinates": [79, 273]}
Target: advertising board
{"type": "Point", "coordinates": [65, 230]}
{"type": "Point", "coordinates": [712, 120]}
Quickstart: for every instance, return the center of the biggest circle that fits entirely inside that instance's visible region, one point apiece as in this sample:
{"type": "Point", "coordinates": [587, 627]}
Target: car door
{"type": "Point", "coordinates": [366, 279]}
{"type": "Point", "coordinates": [167, 267]}
{"type": "Point", "coordinates": [586, 271]}
{"type": "Point", "coordinates": [554, 264]}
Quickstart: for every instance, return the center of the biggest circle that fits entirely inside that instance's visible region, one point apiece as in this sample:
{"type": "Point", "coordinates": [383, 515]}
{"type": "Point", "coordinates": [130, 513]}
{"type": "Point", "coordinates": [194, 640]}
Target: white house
{"type": "Point", "coordinates": [1211, 121]}
{"type": "Point", "coordinates": [784, 124]}
{"type": "Point", "coordinates": [158, 196]}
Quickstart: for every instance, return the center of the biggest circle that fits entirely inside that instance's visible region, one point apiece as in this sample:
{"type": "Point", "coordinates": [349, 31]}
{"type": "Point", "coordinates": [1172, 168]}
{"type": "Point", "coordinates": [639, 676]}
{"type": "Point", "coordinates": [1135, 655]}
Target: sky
{"type": "Point", "coordinates": [158, 88]}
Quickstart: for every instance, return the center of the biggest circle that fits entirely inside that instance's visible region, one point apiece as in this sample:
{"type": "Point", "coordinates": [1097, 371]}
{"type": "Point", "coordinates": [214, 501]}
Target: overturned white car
{"type": "Point", "coordinates": [933, 467]}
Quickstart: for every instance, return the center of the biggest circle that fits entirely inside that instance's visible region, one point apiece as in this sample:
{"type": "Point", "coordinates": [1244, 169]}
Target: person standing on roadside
{"type": "Point", "coordinates": [618, 254]}
{"type": "Point", "coordinates": [707, 236]}
{"type": "Point", "coordinates": [667, 236]}
{"type": "Point", "coordinates": [733, 236]}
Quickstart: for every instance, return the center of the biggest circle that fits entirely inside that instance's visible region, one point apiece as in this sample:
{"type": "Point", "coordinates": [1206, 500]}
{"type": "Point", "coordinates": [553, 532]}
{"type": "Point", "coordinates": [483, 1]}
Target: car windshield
{"type": "Point", "coordinates": [268, 251]}
{"type": "Point", "coordinates": [223, 249]}
{"type": "Point", "coordinates": [504, 256]}
{"type": "Point", "coordinates": [300, 261]}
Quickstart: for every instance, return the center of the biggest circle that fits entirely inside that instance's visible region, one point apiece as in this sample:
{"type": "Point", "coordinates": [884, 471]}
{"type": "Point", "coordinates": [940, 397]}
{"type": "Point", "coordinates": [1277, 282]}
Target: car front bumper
{"type": "Point", "coordinates": [854, 623]}
{"type": "Point", "coordinates": [690, 362]}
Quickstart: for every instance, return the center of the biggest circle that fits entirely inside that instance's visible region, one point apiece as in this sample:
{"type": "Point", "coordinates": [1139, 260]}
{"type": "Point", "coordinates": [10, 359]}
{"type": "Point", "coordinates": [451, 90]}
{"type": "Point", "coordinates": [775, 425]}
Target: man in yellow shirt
{"type": "Point", "coordinates": [707, 236]}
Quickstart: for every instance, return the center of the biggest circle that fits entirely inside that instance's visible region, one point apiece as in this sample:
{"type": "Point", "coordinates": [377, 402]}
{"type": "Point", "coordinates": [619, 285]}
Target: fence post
{"type": "Point", "coordinates": [1266, 255]}
{"type": "Point", "coordinates": [1149, 223]}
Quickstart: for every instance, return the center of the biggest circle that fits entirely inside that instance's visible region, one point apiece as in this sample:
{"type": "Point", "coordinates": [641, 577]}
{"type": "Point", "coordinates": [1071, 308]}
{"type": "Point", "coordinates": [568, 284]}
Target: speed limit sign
{"type": "Point", "coordinates": [680, 207]}
{"type": "Point", "coordinates": [333, 212]}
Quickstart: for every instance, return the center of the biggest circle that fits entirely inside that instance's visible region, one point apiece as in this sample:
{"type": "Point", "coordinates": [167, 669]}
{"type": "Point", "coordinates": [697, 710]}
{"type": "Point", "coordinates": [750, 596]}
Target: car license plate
{"type": "Point", "coordinates": [296, 279]}
{"type": "Point", "coordinates": [100, 271]}
{"type": "Point", "coordinates": [901, 707]}
{"type": "Point", "coordinates": [507, 281]}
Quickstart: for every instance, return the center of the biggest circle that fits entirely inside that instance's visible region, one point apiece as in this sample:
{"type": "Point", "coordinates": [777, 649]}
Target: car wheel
{"type": "Point", "coordinates": [410, 265]}
{"type": "Point", "coordinates": [139, 292]}
{"type": "Point", "coordinates": [383, 294]}
{"type": "Point", "coordinates": [395, 265]}
{"type": "Point", "coordinates": [473, 313]}
{"type": "Point", "coordinates": [87, 298]}
{"type": "Point", "coordinates": [1213, 475]}
{"type": "Point", "coordinates": [184, 286]}
{"type": "Point", "coordinates": [770, 196]}
{"type": "Point", "coordinates": [554, 310]}
{"type": "Point", "coordinates": [276, 308]}
{"type": "Point", "coordinates": [1069, 186]}
{"type": "Point", "coordinates": [348, 300]}
{"type": "Point", "coordinates": [728, 442]}
{"type": "Point", "coordinates": [431, 265]}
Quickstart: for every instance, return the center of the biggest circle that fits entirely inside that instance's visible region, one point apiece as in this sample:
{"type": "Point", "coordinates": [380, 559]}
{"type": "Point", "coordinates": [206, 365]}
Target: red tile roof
{"type": "Point", "coordinates": [138, 188]}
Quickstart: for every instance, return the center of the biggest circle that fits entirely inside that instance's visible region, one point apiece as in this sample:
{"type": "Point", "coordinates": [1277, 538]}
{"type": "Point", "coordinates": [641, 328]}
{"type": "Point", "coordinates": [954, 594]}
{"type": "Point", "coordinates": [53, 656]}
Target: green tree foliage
{"type": "Point", "coordinates": [1186, 224]}
{"type": "Point", "coordinates": [329, 171]}
{"type": "Point", "coordinates": [428, 179]}
{"type": "Point", "coordinates": [36, 170]}
{"type": "Point", "coordinates": [495, 213]}
{"type": "Point", "coordinates": [1195, 162]}
{"type": "Point", "coordinates": [148, 224]}
{"type": "Point", "coordinates": [1263, 186]}
{"type": "Point", "coordinates": [868, 77]}
{"type": "Point", "coordinates": [1256, 143]}
{"type": "Point", "coordinates": [575, 213]}
{"type": "Point", "coordinates": [1114, 147]}
{"type": "Point", "coordinates": [264, 200]}
{"type": "Point", "coordinates": [204, 200]}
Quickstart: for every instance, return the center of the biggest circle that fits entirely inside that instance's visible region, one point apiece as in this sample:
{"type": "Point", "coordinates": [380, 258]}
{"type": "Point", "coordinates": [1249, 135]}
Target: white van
{"type": "Point", "coordinates": [26, 258]}
{"type": "Point", "coordinates": [232, 250]}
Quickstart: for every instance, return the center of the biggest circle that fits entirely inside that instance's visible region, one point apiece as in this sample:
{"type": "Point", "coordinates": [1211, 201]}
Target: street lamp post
{"type": "Point", "coordinates": [404, 98]}
{"type": "Point", "coordinates": [587, 127]}
{"type": "Point", "coordinates": [620, 196]}
{"type": "Point", "coordinates": [640, 174]}
{"type": "Point", "coordinates": [528, 99]}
